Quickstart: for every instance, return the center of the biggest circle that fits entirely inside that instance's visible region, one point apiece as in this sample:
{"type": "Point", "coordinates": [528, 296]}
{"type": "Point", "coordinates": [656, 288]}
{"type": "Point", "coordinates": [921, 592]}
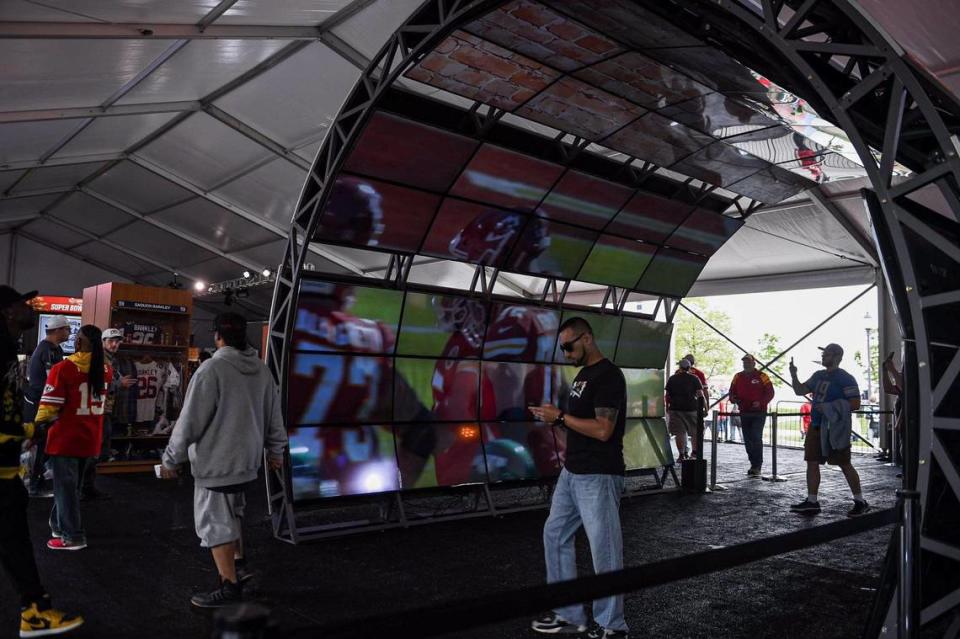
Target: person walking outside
{"type": "Point", "coordinates": [682, 395]}
{"type": "Point", "coordinates": [701, 376]}
{"type": "Point", "coordinates": [835, 397]}
{"type": "Point", "coordinates": [47, 354]}
{"type": "Point", "coordinates": [589, 487]}
{"type": "Point", "coordinates": [38, 618]}
{"type": "Point", "coordinates": [751, 390]}
{"type": "Point", "coordinates": [72, 403]}
{"type": "Point", "coordinates": [230, 414]}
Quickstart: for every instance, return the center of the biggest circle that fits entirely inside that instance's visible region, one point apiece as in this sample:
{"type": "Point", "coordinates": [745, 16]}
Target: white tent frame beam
{"type": "Point", "coordinates": [822, 201]}
{"type": "Point", "coordinates": [152, 31]}
{"type": "Point", "coordinates": [37, 115]}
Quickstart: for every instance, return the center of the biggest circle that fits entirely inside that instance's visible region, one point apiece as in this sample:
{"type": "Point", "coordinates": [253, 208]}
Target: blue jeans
{"type": "Point", "coordinates": [592, 501]}
{"type": "Point", "coordinates": [752, 428]}
{"type": "Point", "coordinates": [65, 515]}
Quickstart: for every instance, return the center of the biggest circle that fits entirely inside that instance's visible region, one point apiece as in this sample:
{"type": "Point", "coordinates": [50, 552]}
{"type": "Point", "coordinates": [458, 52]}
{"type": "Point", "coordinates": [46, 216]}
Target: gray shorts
{"type": "Point", "coordinates": [683, 422]}
{"type": "Point", "coordinates": [217, 516]}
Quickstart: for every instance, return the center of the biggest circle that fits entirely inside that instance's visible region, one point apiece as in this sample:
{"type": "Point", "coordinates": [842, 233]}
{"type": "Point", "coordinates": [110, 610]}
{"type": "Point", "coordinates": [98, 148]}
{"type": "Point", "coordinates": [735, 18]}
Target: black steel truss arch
{"type": "Point", "coordinates": [831, 54]}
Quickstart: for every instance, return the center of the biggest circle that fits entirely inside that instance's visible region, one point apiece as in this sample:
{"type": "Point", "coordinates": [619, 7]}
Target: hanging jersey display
{"type": "Point", "coordinates": [148, 386]}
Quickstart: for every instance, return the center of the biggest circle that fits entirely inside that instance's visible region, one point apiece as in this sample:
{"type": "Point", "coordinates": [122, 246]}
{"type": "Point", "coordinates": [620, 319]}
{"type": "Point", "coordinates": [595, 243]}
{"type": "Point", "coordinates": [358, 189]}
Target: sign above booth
{"type": "Point", "coordinates": [57, 304]}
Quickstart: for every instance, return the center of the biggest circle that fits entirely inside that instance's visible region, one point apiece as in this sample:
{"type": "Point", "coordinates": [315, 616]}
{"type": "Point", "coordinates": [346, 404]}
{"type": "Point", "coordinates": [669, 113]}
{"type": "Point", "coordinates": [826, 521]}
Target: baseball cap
{"type": "Point", "coordinates": [833, 348]}
{"type": "Point", "coordinates": [112, 333]}
{"type": "Point", "coordinates": [10, 295]}
{"type": "Point", "coordinates": [57, 321]}
{"type": "Point", "coordinates": [684, 363]}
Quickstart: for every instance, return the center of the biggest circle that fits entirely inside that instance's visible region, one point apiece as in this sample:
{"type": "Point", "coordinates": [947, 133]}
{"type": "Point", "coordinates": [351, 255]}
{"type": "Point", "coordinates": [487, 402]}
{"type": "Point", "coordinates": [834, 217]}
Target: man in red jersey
{"type": "Point", "coordinates": [751, 390]}
{"type": "Point", "coordinates": [73, 399]}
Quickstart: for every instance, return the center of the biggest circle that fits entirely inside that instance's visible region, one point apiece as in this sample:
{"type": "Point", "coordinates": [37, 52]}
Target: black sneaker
{"type": "Point", "coordinates": [599, 632]}
{"type": "Point", "coordinates": [859, 508]}
{"type": "Point", "coordinates": [227, 594]}
{"type": "Point", "coordinates": [553, 624]}
{"type": "Point", "coordinates": [754, 472]}
{"type": "Point", "coordinates": [806, 507]}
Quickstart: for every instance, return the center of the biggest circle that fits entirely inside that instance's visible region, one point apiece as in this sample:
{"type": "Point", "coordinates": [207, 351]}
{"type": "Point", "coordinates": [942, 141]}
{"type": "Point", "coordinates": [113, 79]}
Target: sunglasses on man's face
{"type": "Point", "coordinates": [567, 347]}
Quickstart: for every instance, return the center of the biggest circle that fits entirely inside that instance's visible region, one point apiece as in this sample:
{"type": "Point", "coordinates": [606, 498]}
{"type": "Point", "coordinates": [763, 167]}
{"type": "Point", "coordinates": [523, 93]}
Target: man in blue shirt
{"type": "Point", "coordinates": [828, 387]}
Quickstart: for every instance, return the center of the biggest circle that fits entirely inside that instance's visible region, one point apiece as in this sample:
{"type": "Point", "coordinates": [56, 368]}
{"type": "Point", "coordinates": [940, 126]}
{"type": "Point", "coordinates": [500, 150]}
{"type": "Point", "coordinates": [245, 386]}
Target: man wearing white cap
{"type": "Point", "coordinates": [835, 397]}
{"type": "Point", "coordinates": [45, 355]}
{"type": "Point", "coordinates": [111, 343]}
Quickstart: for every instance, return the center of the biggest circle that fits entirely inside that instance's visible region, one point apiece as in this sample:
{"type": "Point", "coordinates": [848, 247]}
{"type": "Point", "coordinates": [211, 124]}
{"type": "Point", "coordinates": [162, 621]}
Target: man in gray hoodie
{"type": "Point", "coordinates": [230, 414]}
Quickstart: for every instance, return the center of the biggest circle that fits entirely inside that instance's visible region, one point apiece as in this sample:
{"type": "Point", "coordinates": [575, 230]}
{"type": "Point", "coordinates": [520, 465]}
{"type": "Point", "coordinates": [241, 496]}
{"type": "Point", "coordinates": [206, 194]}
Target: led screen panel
{"type": "Point", "coordinates": [584, 200]}
{"type": "Point", "coordinates": [506, 179]}
{"type": "Point", "coordinates": [657, 139]}
{"type": "Point", "coordinates": [510, 388]}
{"type": "Point", "coordinates": [521, 333]}
{"type": "Point", "coordinates": [644, 392]}
{"type": "Point", "coordinates": [474, 68]}
{"type": "Point", "coordinates": [720, 164]}
{"type": "Point", "coordinates": [337, 317]}
{"type": "Point", "coordinates": [709, 66]}
{"type": "Point", "coordinates": [575, 107]}
{"type": "Point", "coordinates": [649, 218]}
{"type": "Point", "coordinates": [537, 32]}
{"type": "Point", "coordinates": [436, 389]}
{"type": "Point", "coordinates": [626, 21]}
{"type": "Point", "coordinates": [442, 326]}
{"type": "Point", "coordinates": [333, 388]}
{"type": "Point", "coordinates": [719, 115]}
{"type": "Point", "coordinates": [518, 452]}
{"type": "Point", "coordinates": [704, 232]}
{"type": "Point", "coordinates": [431, 455]}
{"type": "Point", "coordinates": [777, 144]}
{"type": "Point", "coordinates": [399, 150]}
{"type": "Point", "coordinates": [643, 343]}
{"type": "Point", "coordinates": [368, 213]}
{"type": "Point", "coordinates": [642, 80]}
{"type": "Point", "coordinates": [616, 261]}
{"type": "Point", "coordinates": [550, 248]}
{"type": "Point", "coordinates": [646, 444]}
{"type": "Point", "coordinates": [471, 232]}
{"type": "Point", "coordinates": [606, 330]}
{"type": "Point", "coordinates": [342, 461]}
{"type": "Point", "coordinates": [671, 272]}
{"type": "Point", "coordinates": [771, 185]}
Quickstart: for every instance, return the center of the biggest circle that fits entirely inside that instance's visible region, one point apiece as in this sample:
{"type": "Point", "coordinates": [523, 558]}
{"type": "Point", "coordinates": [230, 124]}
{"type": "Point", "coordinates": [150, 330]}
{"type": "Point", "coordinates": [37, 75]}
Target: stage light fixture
{"type": "Point", "coordinates": [266, 272]}
{"type": "Point", "coordinates": [199, 285]}
{"type": "Point", "coordinates": [246, 273]}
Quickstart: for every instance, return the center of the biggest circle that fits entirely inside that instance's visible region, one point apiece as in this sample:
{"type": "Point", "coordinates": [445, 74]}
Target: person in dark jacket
{"type": "Point", "coordinates": [45, 356]}
{"type": "Point", "coordinates": [683, 394]}
{"type": "Point", "coordinates": [37, 616]}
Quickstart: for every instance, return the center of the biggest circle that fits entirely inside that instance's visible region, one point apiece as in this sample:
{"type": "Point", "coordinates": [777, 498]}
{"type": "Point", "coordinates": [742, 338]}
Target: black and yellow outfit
{"type": "Point", "coordinates": [37, 618]}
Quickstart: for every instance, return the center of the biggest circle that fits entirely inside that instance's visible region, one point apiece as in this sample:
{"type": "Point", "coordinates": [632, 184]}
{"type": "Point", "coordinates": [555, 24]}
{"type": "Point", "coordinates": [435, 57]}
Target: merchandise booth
{"type": "Point", "coordinates": [155, 350]}
{"type": "Point", "coordinates": [49, 306]}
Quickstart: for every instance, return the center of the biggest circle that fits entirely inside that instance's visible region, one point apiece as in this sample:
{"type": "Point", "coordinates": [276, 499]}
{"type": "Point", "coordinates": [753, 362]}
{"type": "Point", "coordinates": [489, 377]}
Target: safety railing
{"type": "Point", "coordinates": [788, 430]}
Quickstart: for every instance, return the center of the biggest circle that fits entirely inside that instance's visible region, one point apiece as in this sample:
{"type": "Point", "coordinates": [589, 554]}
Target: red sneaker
{"type": "Point", "coordinates": [63, 544]}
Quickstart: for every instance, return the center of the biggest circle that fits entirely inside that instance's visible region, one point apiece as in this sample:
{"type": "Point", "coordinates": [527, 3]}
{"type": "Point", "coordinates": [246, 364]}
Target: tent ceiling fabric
{"type": "Point", "coordinates": [186, 153]}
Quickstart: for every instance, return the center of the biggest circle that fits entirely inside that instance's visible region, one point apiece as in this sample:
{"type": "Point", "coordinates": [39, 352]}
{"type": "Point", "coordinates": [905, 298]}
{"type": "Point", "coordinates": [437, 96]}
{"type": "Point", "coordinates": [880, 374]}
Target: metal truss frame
{"type": "Point", "coordinates": [836, 57]}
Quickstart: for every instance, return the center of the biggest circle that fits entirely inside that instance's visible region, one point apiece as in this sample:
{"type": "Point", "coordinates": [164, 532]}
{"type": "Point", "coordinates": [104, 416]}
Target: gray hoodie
{"type": "Point", "coordinates": [230, 414]}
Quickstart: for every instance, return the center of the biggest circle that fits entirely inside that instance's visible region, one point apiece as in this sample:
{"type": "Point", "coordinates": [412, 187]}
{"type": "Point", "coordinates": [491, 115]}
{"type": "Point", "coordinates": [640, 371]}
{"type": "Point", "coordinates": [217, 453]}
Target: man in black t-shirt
{"type": "Point", "coordinates": [589, 487]}
{"type": "Point", "coordinates": [683, 394]}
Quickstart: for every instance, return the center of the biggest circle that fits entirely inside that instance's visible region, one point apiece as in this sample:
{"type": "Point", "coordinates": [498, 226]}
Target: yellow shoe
{"type": "Point", "coordinates": [44, 623]}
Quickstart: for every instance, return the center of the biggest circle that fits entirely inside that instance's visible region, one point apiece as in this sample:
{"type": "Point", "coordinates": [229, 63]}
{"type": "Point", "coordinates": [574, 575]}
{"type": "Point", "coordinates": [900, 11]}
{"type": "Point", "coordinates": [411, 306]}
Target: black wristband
{"type": "Point", "coordinates": [559, 420]}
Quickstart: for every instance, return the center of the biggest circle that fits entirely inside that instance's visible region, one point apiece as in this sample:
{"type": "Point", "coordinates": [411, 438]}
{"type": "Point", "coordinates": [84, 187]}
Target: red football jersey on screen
{"type": "Point", "coordinates": [78, 429]}
{"type": "Point", "coordinates": [331, 388]}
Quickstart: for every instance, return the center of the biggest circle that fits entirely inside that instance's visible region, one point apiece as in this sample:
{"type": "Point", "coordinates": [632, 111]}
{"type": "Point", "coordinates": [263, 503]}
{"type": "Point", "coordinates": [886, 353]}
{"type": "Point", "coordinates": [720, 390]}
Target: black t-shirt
{"type": "Point", "coordinates": [682, 388]}
{"type": "Point", "coordinates": [598, 386]}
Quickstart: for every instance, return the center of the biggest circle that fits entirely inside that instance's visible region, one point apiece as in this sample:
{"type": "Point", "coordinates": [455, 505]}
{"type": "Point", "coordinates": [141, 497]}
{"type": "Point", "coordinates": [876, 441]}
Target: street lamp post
{"type": "Point", "coordinates": [869, 367]}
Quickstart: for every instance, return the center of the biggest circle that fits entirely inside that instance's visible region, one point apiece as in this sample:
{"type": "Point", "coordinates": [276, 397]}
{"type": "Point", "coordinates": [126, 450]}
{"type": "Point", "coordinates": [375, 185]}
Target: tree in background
{"type": "Point", "coordinates": [768, 347]}
{"type": "Point", "coordinates": [714, 354]}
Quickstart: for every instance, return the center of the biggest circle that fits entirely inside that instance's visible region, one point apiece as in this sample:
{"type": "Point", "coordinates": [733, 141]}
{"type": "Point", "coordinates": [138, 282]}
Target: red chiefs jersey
{"type": "Point", "coordinates": [329, 387]}
{"type": "Point", "coordinates": [78, 429]}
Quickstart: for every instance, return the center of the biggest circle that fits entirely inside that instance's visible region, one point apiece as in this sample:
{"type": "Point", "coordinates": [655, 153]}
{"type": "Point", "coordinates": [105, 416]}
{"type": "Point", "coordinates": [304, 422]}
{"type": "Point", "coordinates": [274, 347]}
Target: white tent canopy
{"type": "Point", "coordinates": [143, 138]}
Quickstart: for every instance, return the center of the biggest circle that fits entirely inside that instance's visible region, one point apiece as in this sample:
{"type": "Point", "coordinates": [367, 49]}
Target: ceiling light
{"type": "Point", "coordinates": [246, 273]}
{"type": "Point", "coordinates": [199, 285]}
{"type": "Point", "coordinates": [266, 272]}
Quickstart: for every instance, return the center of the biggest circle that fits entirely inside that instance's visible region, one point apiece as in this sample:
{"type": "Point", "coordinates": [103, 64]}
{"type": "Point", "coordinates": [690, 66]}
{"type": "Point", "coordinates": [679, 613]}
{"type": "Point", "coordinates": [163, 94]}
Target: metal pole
{"type": "Point", "coordinates": [773, 446]}
{"type": "Point", "coordinates": [909, 573]}
{"type": "Point", "coordinates": [713, 454]}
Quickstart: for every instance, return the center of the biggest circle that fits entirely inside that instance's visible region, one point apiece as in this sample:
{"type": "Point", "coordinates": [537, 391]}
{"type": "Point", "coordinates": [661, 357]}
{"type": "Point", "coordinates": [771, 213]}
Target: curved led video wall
{"type": "Point", "coordinates": [395, 390]}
